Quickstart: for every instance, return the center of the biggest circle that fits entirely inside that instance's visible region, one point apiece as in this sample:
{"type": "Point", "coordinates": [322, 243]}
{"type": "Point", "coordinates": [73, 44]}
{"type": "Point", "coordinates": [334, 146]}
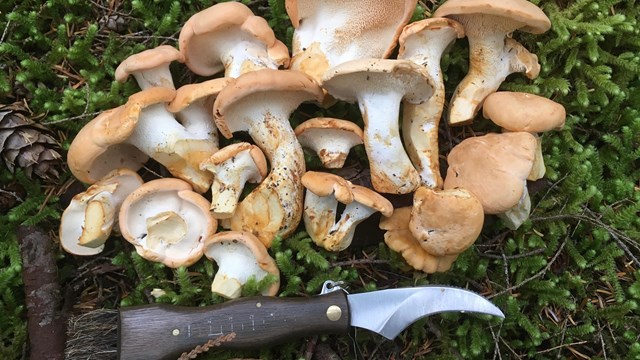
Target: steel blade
{"type": "Point", "coordinates": [388, 312]}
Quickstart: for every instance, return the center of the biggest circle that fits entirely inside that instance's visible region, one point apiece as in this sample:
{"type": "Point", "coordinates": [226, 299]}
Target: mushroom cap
{"type": "Point", "coordinates": [372, 199]}
{"type": "Point", "coordinates": [324, 184]}
{"type": "Point", "coordinates": [347, 80]}
{"type": "Point", "coordinates": [330, 123]}
{"type": "Point", "coordinates": [418, 27]}
{"type": "Point", "coordinates": [446, 222]}
{"type": "Point", "coordinates": [230, 151]}
{"type": "Point", "coordinates": [147, 59]}
{"type": "Point", "coordinates": [331, 138]}
{"type": "Point", "coordinates": [494, 167]}
{"type": "Point", "coordinates": [518, 111]}
{"type": "Point", "coordinates": [98, 147]}
{"type": "Point", "coordinates": [531, 18]}
{"type": "Point", "coordinates": [73, 224]}
{"type": "Point", "coordinates": [400, 239]}
{"type": "Point", "coordinates": [194, 36]}
{"type": "Point", "coordinates": [190, 93]}
{"type": "Point", "coordinates": [178, 216]}
{"type": "Point", "coordinates": [287, 83]}
{"type": "Point", "coordinates": [263, 259]}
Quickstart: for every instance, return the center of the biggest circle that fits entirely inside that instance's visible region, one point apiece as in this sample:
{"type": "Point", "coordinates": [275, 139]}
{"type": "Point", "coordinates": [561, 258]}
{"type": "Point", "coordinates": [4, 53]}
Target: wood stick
{"type": "Point", "coordinates": [46, 323]}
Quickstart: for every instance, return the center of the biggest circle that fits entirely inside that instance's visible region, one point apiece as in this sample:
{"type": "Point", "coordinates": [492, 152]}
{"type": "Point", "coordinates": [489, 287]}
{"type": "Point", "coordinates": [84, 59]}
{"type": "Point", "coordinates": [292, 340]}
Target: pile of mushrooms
{"type": "Point", "coordinates": [253, 86]}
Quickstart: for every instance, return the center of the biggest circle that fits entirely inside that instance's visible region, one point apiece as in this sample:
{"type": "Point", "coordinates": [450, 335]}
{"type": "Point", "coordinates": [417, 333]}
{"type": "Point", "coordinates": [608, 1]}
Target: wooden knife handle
{"type": "Point", "coordinates": [165, 331]}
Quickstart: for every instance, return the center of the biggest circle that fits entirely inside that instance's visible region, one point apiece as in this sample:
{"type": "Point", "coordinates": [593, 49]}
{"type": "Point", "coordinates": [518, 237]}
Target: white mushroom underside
{"type": "Point", "coordinates": [166, 202]}
{"type": "Point", "coordinates": [233, 50]}
{"type": "Point", "coordinates": [236, 264]}
{"type": "Point", "coordinates": [159, 76]}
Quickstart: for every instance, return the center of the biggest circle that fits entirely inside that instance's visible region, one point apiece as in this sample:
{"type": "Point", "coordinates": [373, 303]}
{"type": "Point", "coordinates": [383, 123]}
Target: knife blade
{"type": "Point", "coordinates": [163, 331]}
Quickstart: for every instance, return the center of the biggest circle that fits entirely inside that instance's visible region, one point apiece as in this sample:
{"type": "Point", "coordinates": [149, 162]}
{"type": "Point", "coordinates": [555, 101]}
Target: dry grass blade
{"type": "Point", "coordinates": [207, 346]}
{"type": "Point", "coordinates": [93, 335]}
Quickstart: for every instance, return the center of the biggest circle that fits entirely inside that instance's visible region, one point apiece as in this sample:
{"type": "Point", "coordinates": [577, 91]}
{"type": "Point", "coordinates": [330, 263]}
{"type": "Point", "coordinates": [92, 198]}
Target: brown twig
{"type": "Point", "coordinates": [207, 346]}
{"type": "Point", "coordinates": [43, 295]}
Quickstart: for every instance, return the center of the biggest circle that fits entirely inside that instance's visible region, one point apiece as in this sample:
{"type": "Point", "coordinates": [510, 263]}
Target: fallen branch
{"type": "Point", "coordinates": [45, 319]}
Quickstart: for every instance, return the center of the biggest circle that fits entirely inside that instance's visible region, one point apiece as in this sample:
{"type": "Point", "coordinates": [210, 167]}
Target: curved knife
{"type": "Point", "coordinates": [166, 331]}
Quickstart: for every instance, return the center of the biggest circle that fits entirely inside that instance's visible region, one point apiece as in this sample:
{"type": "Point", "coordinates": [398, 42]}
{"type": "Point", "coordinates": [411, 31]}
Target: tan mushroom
{"type": "Point", "coordinates": [260, 102]}
{"type": "Point", "coordinates": [494, 167]}
{"type": "Point", "coordinates": [517, 111]}
{"type": "Point", "coordinates": [324, 191]}
{"type": "Point", "coordinates": [227, 36]}
{"type": "Point", "coordinates": [91, 216]}
{"type": "Point", "coordinates": [331, 32]}
{"type": "Point", "coordinates": [141, 128]}
{"type": "Point", "coordinates": [150, 67]}
{"type": "Point", "coordinates": [399, 238]}
{"type": "Point", "coordinates": [233, 166]}
{"type": "Point", "coordinates": [424, 42]}
{"type": "Point", "coordinates": [240, 256]}
{"type": "Point", "coordinates": [493, 54]}
{"type": "Point", "coordinates": [379, 86]}
{"type": "Point", "coordinates": [445, 222]}
{"type": "Point", "coordinates": [167, 222]}
{"type": "Point", "coordinates": [330, 138]}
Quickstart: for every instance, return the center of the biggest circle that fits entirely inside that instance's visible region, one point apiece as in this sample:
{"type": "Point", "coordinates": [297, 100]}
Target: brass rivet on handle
{"type": "Point", "coordinates": [334, 313]}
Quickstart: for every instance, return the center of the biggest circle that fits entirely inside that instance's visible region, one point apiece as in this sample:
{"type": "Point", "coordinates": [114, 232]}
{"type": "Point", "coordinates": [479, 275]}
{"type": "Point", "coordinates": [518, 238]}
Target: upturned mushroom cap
{"type": "Point", "coordinates": [331, 32]}
{"type": "Point", "coordinates": [90, 217]}
{"type": "Point", "coordinates": [330, 138]}
{"type": "Point", "coordinates": [524, 15]}
{"type": "Point", "coordinates": [422, 32]}
{"type": "Point", "coordinates": [446, 222]}
{"type": "Point", "coordinates": [493, 167]}
{"type": "Point", "coordinates": [229, 23]}
{"type": "Point", "coordinates": [239, 256]}
{"type": "Point", "coordinates": [167, 222]}
{"type": "Point", "coordinates": [400, 239]}
{"type": "Point", "coordinates": [379, 86]}
{"type": "Point", "coordinates": [517, 111]}
{"type": "Point", "coordinates": [150, 67]}
{"type": "Point", "coordinates": [233, 166]}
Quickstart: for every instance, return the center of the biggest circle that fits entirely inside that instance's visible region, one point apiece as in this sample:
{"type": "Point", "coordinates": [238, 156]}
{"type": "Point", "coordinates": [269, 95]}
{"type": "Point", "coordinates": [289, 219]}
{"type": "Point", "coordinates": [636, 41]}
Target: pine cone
{"type": "Point", "coordinates": [27, 145]}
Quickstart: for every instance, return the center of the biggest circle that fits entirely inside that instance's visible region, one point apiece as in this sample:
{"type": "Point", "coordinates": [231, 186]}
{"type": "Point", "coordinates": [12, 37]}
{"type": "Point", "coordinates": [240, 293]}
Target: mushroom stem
{"type": "Point", "coordinates": [99, 219]}
{"type": "Point", "coordinates": [197, 120]}
{"type": "Point", "coordinates": [492, 57]}
{"type": "Point", "coordinates": [420, 122]}
{"type": "Point", "coordinates": [236, 264]}
{"type": "Point", "coordinates": [391, 169]}
{"type": "Point", "coordinates": [162, 138]}
{"type": "Point", "coordinates": [159, 76]}
{"type": "Point", "coordinates": [518, 214]}
{"type": "Point", "coordinates": [280, 193]}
